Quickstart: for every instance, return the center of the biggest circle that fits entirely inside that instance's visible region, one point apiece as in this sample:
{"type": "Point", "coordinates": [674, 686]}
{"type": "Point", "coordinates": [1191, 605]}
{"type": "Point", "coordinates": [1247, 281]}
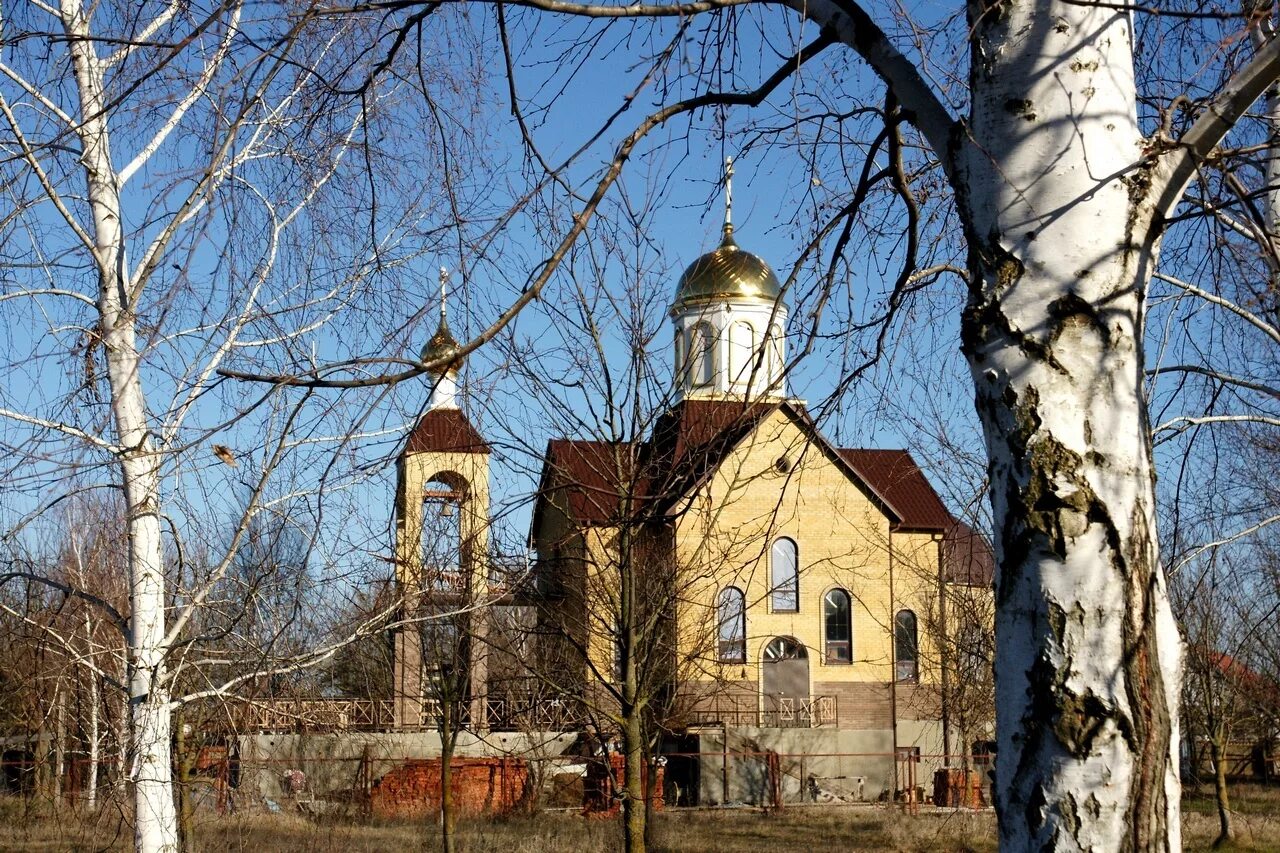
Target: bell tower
{"type": "Point", "coordinates": [442, 541]}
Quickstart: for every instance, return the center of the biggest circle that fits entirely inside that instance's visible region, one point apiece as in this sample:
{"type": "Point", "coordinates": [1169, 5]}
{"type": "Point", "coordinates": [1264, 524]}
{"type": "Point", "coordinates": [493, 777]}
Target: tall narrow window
{"type": "Point", "coordinates": [785, 576]}
{"type": "Point", "coordinates": [906, 648]}
{"type": "Point", "coordinates": [837, 626]}
{"type": "Point", "coordinates": [731, 613]}
{"type": "Point", "coordinates": [742, 351]}
{"type": "Point", "coordinates": [680, 365]}
{"type": "Point", "coordinates": [773, 354]}
{"type": "Point", "coordinates": [702, 349]}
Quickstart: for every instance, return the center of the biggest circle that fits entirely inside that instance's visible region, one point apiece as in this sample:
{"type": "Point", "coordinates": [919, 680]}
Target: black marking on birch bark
{"type": "Point", "coordinates": [994, 270]}
{"type": "Point", "coordinates": [1020, 420]}
{"type": "Point", "coordinates": [1082, 718]}
{"type": "Point", "coordinates": [1035, 808]}
{"type": "Point", "coordinates": [1092, 807]}
{"type": "Point", "coordinates": [1070, 312]}
{"type": "Point", "coordinates": [1070, 817]}
{"type": "Point", "coordinates": [1021, 107]}
{"type": "Point", "coordinates": [1051, 502]}
{"type": "Point", "coordinates": [1138, 183]}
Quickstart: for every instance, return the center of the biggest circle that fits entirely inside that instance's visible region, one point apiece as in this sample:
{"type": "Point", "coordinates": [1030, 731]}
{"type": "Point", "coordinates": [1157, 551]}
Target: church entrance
{"type": "Point", "coordinates": [784, 683]}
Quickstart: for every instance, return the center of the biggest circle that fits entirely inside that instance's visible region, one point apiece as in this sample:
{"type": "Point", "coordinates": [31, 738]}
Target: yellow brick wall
{"type": "Point", "coordinates": [842, 537]}
{"type": "Point", "coordinates": [916, 557]}
{"type": "Point", "coordinates": [844, 540]}
{"type": "Point", "coordinates": [418, 469]}
{"type": "Point", "coordinates": [723, 537]}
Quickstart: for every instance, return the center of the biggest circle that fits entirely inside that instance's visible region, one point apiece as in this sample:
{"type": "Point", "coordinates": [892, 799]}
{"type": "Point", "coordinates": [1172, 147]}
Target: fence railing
{"type": "Point", "coordinates": [269, 715]}
{"type": "Point", "coordinates": [778, 712]}
{"type": "Point", "coordinates": [509, 712]}
{"type": "Point", "coordinates": [379, 781]}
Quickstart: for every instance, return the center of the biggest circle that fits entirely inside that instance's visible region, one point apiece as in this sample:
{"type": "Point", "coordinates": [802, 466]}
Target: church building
{"type": "Point", "coordinates": [764, 579]}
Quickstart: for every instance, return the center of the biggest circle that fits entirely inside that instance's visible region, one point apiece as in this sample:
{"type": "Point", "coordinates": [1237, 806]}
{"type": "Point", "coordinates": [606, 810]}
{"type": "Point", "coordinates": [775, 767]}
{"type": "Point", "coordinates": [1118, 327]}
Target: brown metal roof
{"type": "Point", "coordinates": [895, 475]}
{"type": "Point", "coordinates": [445, 431]}
{"type": "Point", "coordinates": [691, 439]}
{"type": "Point", "coordinates": [592, 475]}
{"type": "Point", "coordinates": [688, 442]}
{"type": "Point", "coordinates": [967, 556]}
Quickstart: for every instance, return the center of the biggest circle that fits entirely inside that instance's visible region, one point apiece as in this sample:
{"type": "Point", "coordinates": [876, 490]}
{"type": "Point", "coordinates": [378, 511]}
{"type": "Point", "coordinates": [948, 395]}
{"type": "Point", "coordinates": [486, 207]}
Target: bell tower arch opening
{"type": "Point", "coordinates": [444, 505]}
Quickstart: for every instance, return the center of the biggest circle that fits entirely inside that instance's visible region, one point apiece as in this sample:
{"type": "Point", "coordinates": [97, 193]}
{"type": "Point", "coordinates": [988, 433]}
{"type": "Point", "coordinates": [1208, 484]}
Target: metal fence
{"type": "Point", "coordinates": [217, 780]}
{"type": "Point", "coordinates": [781, 712]}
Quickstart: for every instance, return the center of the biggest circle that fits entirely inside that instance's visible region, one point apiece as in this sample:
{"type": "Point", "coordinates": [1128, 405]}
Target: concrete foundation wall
{"type": "Point", "coordinates": [332, 767]}
{"type": "Point", "coordinates": [823, 765]}
{"type": "Point", "coordinates": [925, 735]}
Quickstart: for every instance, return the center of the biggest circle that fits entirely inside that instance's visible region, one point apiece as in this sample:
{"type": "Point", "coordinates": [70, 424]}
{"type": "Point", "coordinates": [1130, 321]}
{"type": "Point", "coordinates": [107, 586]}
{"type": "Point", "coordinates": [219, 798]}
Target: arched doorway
{"type": "Point", "coordinates": [784, 683]}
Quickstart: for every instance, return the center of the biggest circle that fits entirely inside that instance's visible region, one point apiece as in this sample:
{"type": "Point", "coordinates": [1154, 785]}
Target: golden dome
{"type": "Point", "coordinates": [441, 345]}
{"type": "Point", "coordinates": [728, 272]}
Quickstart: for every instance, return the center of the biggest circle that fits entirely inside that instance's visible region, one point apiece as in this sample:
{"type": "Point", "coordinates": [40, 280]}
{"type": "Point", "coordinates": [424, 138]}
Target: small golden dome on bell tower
{"type": "Point", "coordinates": [442, 348]}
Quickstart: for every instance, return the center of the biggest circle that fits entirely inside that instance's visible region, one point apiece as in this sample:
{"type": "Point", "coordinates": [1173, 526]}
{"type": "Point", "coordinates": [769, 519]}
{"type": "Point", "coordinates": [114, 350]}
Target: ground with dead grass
{"type": "Point", "coordinates": [811, 829]}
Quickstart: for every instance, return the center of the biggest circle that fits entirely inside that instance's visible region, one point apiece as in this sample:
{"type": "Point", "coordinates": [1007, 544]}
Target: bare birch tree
{"type": "Point", "coordinates": [189, 188]}
{"type": "Point", "coordinates": [1064, 163]}
{"type": "Point", "coordinates": [1063, 194]}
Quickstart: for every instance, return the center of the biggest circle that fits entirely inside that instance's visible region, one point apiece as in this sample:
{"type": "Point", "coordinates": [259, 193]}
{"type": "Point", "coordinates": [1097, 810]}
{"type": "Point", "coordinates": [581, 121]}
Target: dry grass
{"type": "Point", "coordinates": [810, 829]}
{"type": "Point", "coordinates": [1256, 811]}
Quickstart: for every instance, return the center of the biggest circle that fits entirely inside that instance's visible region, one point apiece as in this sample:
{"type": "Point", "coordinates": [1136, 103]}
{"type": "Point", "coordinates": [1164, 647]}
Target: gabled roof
{"type": "Point", "coordinates": [895, 476]}
{"type": "Point", "coordinates": [687, 445]}
{"type": "Point", "coordinates": [967, 557]}
{"type": "Point", "coordinates": [591, 474]}
{"type": "Point", "coordinates": [688, 442]}
{"type": "Point", "coordinates": [691, 440]}
{"type": "Point", "coordinates": [445, 431]}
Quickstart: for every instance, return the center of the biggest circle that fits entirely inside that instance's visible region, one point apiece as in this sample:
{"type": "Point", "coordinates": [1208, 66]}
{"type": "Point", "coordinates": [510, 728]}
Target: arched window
{"type": "Point", "coordinates": [731, 614]}
{"type": "Point", "coordinates": [906, 647]}
{"type": "Point", "coordinates": [742, 351]}
{"type": "Point", "coordinates": [702, 350]}
{"type": "Point", "coordinates": [973, 652]}
{"type": "Point", "coordinates": [837, 626]}
{"type": "Point", "coordinates": [773, 356]}
{"type": "Point", "coordinates": [784, 576]}
{"type": "Point", "coordinates": [681, 367]}
{"type": "Point", "coordinates": [784, 648]}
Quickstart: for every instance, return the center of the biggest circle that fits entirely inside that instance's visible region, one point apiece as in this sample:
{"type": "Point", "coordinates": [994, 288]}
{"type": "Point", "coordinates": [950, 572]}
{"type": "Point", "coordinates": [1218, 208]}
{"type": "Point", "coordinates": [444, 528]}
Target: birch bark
{"type": "Point", "coordinates": [1053, 192]}
{"type": "Point", "coordinates": [95, 727]}
{"type": "Point", "coordinates": [155, 820]}
{"type": "Point", "coordinates": [1262, 30]}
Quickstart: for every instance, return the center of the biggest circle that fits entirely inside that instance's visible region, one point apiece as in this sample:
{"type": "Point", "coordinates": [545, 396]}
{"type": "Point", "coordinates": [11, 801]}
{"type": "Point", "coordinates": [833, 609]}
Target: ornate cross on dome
{"type": "Point", "coordinates": [444, 283]}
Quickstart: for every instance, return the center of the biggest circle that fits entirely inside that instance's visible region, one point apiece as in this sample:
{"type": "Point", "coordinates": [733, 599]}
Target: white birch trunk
{"type": "Point", "coordinates": [1087, 653]}
{"type": "Point", "coordinates": [1261, 31]}
{"type": "Point", "coordinates": [95, 735]}
{"type": "Point", "coordinates": [123, 730]}
{"type": "Point", "coordinates": [59, 741]}
{"type": "Point", "coordinates": [150, 771]}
